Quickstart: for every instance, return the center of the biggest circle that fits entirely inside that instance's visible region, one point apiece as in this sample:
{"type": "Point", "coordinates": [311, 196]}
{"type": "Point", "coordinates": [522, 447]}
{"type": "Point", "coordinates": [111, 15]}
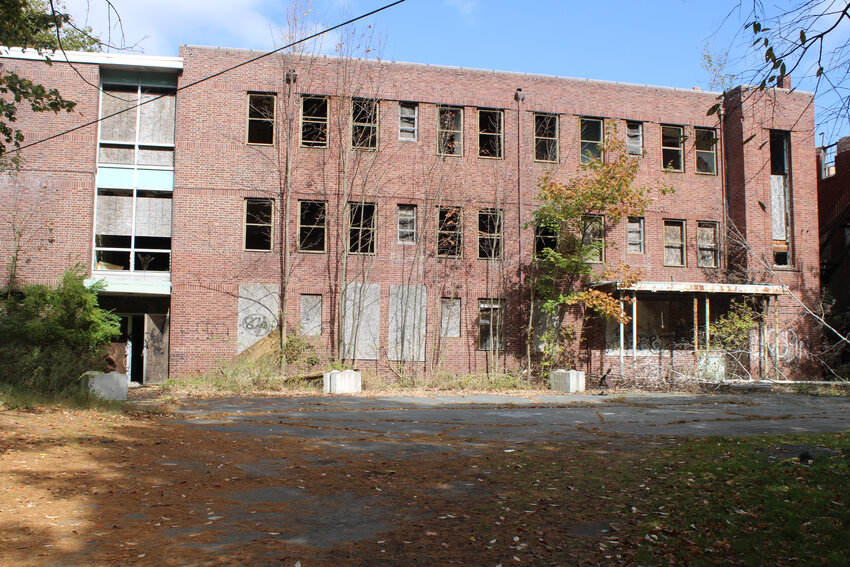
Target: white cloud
{"type": "Point", "coordinates": [468, 9]}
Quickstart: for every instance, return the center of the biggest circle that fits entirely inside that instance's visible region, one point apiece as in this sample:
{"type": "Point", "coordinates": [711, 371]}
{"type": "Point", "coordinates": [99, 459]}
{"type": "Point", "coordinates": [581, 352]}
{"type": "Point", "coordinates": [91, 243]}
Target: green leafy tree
{"type": "Point", "coordinates": [43, 26]}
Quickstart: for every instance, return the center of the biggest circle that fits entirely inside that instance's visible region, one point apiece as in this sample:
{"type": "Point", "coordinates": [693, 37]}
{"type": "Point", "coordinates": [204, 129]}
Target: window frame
{"type": "Point", "coordinates": [641, 221]}
{"type": "Point", "coordinates": [246, 224]}
{"type": "Point", "coordinates": [311, 227]}
{"type": "Point", "coordinates": [497, 238]}
{"type": "Point", "coordinates": [493, 306]}
{"type": "Point", "coordinates": [544, 234]}
{"type": "Point", "coordinates": [583, 158]}
{"type": "Point", "coordinates": [315, 120]}
{"type": "Point", "coordinates": [698, 152]}
{"type": "Point", "coordinates": [682, 244]}
{"type": "Point", "coordinates": [458, 133]}
{"type": "Point", "coordinates": [498, 136]}
{"type": "Point", "coordinates": [715, 248]}
{"type": "Point", "coordinates": [365, 126]}
{"type": "Point", "coordinates": [458, 232]}
{"type": "Point", "coordinates": [639, 124]}
{"type": "Point", "coordinates": [591, 220]}
{"type": "Point", "coordinates": [680, 148]}
{"type": "Point", "coordinates": [272, 120]}
{"type": "Point", "coordinates": [369, 230]}
{"type": "Point", "coordinates": [399, 230]}
{"type": "Point", "coordinates": [555, 141]}
{"type": "Point", "coordinates": [415, 128]}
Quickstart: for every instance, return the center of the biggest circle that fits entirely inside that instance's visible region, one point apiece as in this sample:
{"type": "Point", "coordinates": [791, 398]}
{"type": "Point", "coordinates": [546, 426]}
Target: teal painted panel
{"type": "Point", "coordinates": [155, 179]}
{"type": "Point", "coordinates": [115, 177]}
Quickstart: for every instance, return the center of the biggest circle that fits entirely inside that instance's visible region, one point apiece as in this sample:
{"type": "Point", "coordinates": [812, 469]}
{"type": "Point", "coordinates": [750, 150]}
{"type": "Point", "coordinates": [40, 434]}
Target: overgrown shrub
{"type": "Point", "coordinates": [50, 336]}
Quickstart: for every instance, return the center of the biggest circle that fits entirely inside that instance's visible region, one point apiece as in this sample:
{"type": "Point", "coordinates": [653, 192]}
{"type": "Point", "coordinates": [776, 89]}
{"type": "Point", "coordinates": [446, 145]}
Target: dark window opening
{"type": "Point", "coordinates": [705, 145]}
{"type": "Point", "coordinates": [672, 140]}
{"type": "Point", "coordinates": [449, 232]}
{"type": "Point", "coordinates": [546, 137]}
{"type": "Point", "coordinates": [591, 139]}
{"type": "Point", "coordinates": [449, 132]}
{"type": "Point", "coordinates": [361, 232]}
{"type": "Point", "coordinates": [311, 226]}
{"type": "Point", "coordinates": [364, 129]}
{"type": "Point", "coordinates": [314, 122]}
{"type": "Point", "coordinates": [490, 133]}
{"type": "Point", "coordinates": [261, 115]}
{"type": "Point", "coordinates": [545, 238]}
{"type": "Point", "coordinates": [258, 224]}
{"type": "Point", "coordinates": [489, 234]}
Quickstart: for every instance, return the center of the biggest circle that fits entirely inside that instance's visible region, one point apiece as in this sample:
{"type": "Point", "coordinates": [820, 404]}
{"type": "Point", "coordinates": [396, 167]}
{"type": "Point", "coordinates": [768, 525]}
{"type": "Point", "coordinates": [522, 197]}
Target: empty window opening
{"type": "Point", "coordinates": [672, 140]}
{"type": "Point", "coordinates": [634, 235]}
{"type": "Point", "coordinates": [408, 121]}
{"type": "Point", "coordinates": [545, 239]}
{"type": "Point", "coordinates": [314, 122]}
{"type": "Point", "coordinates": [133, 230]}
{"type": "Point", "coordinates": [259, 214]}
{"type": "Point", "coordinates": [312, 226]}
{"type": "Point", "coordinates": [489, 234]}
{"type": "Point", "coordinates": [407, 224]}
{"type": "Point", "coordinates": [449, 232]}
{"type": "Point", "coordinates": [593, 238]}
{"type": "Point", "coordinates": [261, 117]}
{"type": "Point", "coordinates": [591, 139]}
{"type": "Point", "coordinates": [490, 324]}
{"type": "Point", "coordinates": [705, 143]}
{"type": "Point", "coordinates": [634, 138]}
{"type": "Point", "coordinates": [490, 133]}
{"type": "Point", "coordinates": [707, 246]}
{"type": "Point", "coordinates": [674, 243]}
{"type": "Point", "coordinates": [780, 197]}
{"type": "Point", "coordinates": [450, 317]}
{"type": "Point", "coordinates": [361, 231]}
{"type": "Point", "coordinates": [827, 160]}
{"type": "Point", "coordinates": [364, 123]}
{"type": "Point", "coordinates": [546, 137]}
{"type": "Point", "coordinates": [450, 131]}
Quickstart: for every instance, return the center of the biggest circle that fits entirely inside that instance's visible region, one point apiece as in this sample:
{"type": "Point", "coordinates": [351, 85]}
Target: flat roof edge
{"type": "Point", "coordinates": [703, 287]}
{"type": "Point", "coordinates": [112, 59]}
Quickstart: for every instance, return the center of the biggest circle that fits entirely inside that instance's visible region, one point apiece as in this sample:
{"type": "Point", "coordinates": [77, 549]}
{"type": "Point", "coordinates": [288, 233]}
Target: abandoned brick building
{"type": "Point", "coordinates": [392, 201]}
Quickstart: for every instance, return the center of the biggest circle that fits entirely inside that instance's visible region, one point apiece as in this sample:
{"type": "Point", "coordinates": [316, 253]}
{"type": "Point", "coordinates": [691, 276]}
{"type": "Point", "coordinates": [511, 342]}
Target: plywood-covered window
{"type": "Point", "coordinates": [314, 121]}
{"type": "Point", "coordinates": [674, 243]}
{"type": "Point", "coordinates": [707, 245]}
{"type": "Point", "coordinates": [364, 123]}
{"type": "Point", "coordinates": [312, 226]}
{"type": "Point", "coordinates": [449, 232]}
{"type": "Point", "coordinates": [311, 314]}
{"type": "Point", "coordinates": [450, 317]}
{"type": "Point", "coordinates": [490, 133]}
{"type": "Point", "coordinates": [261, 118]}
{"type": "Point", "coordinates": [137, 125]}
{"type": "Point", "coordinates": [705, 144]}
{"type": "Point", "coordinates": [361, 228]}
{"type": "Point", "coordinates": [546, 137]}
{"type": "Point", "coordinates": [591, 139]}
{"type": "Point", "coordinates": [259, 216]}
{"type": "Point", "coordinates": [672, 142]}
{"type": "Point", "coordinates": [449, 131]}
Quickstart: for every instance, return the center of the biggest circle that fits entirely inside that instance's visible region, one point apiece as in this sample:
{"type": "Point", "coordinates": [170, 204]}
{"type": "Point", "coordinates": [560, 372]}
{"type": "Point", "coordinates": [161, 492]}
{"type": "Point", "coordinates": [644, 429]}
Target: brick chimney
{"type": "Point", "coordinates": [785, 83]}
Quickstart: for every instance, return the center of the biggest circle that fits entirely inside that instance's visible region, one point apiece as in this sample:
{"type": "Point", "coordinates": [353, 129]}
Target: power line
{"type": "Point", "coordinates": [219, 73]}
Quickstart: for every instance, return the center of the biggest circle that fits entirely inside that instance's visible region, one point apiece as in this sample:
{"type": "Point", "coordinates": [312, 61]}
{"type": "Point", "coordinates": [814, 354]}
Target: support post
{"type": "Point", "coordinates": [696, 336]}
{"type": "Point", "coordinates": [776, 338]}
{"type": "Point", "coordinates": [622, 337]}
{"type": "Point", "coordinates": [634, 330]}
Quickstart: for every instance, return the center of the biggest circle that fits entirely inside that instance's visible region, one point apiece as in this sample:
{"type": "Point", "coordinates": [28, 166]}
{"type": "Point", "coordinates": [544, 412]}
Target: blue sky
{"type": "Point", "coordinates": [659, 42]}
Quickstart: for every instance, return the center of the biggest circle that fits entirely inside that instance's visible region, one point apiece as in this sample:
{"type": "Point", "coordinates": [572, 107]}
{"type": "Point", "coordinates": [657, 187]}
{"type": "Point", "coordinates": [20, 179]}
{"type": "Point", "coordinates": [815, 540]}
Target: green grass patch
{"type": "Point", "coordinates": [18, 397]}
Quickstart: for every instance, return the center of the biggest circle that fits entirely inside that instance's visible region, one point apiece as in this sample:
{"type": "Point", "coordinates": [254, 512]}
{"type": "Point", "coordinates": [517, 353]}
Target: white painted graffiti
{"type": "Point", "coordinates": [791, 347]}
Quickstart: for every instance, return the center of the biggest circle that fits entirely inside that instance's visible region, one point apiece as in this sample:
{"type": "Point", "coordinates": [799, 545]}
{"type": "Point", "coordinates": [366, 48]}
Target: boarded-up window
{"type": "Point", "coordinates": [674, 243]}
{"type": "Point", "coordinates": [450, 131]}
{"type": "Point", "coordinates": [634, 138]}
{"type": "Point", "coordinates": [121, 127]}
{"type": "Point", "coordinates": [591, 139]}
{"type": "Point", "coordinates": [311, 314]}
{"type": "Point", "coordinates": [117, 246]}
{"type": "Point", "coordinates": [707, 249]}
{"type": "Point", "coordinates": [150, 109]}
{"type": "Point", "coordinates": [634, 230]}
{"type": "Point", "coordinates": [546, 137]}
{"type": "Point", "coordinates": [593, 239]}
{"type": "Point", "coordinates": [259, 308]}
{"type": "Point", "coordinates": [450, 317]}
{"type": "Point", "coordinates": [406, 331]}
{"type": "Point", "coordinates": [361, 321]}
{"type": "Point", "coordinates": [780, 197]}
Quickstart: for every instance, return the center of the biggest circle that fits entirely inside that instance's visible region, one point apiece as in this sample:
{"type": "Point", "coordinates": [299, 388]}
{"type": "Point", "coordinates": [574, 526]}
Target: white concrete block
{"type": "Point", "coordinates": [570, 381]}
{"type": "Point", "coordinates": [342, 382]}
{"type": "Point", "coordinates": [111, 386]}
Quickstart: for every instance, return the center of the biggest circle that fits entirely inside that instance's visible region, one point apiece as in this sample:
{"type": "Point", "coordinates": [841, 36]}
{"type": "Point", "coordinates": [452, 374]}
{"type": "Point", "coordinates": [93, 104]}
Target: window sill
{"type": "Point", "coordinates": [260, 144]}
{"type": "Point", "coordinates": [257, 250]}
{"type": "Point", "coordinates": [496, 158]}
{"type": "Point", "coordinates": [706, 173]}
{"type": "Point", "coordinates": [450, 155]}
{"type": "Point", "coordinates": [317, 147]}
{"type": "Point", "coordinates": [545, 161]}
{"type": "Point", "coordinates": [311, 251]}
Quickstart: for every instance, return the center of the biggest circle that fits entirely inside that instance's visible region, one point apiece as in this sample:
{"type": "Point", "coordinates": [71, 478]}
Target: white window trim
{"type": "Point", "coordinates": [398, 225]}
{"type": "Point", "coordinates": [415, 128]}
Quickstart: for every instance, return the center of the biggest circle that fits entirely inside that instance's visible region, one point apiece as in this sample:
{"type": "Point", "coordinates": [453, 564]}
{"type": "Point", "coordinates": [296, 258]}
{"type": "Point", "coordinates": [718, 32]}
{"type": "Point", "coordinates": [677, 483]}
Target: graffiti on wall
{"type": "Point", "coordinates": [791, 347]}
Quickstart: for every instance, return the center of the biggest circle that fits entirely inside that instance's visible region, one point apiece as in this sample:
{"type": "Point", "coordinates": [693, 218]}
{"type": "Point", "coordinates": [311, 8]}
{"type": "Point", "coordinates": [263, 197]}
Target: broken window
{"type": "Point", "coordinates": [490, 133]}
{"type": "Point", "coordinates": [545, 238]}
{"type": "Point", "coordinates": [407, 224]}
{"type": "Point", "coordinates": [634, 235]}
{"type": "Point", "coordinates": [449, 232]}
{"type": "Point", "coordinates": [408, 121]}
{"type": "Point", "coordinates": [489, 234]}
{"type": "Point", "coordinates": [707, 248]}
{"type": "Point", "coordinates": [705, 144]}
{"type": "Point", "coordinates": [258, 224]}
{"type": "Point", "coordinates": [827, 160]}
{"type": "Point", "coordinates": [450, 317]}
{"type": "Point", "coordinates": [361, 228]}
{"type": "Point", "coordinates": [490, 324]}
{"type": "Point", "coordinates": [546, 137]}
{"type": "Point", "coordinates": [261, 116]}
{"type": "Point", "coordinates": [591, 139]}
{"type": "Point", "coordinates": [674, 243]}
{"type": "Point", "coordinates": [364, 123]}
{"type": "Point", "coordinates": [672, 140]}
{"type": "Point", "coordinates": [141, 135]}
{"type": "Point", "coordinates": [593, 239]}
{"type": "Point", "coordinates": [314, 122]}
{"type": "Point", "coordinates": [133, 230]}
{"type": "Point", "coordinates": [312, 225]}
{"type": "Point", "coordinates": [311, 314]}
{"type": "Point", "coordinates": [634, 138]}
{"type": "Point", "coordinates": [780, 197]}
{"type": "Point", "coordinates": [450, 131]}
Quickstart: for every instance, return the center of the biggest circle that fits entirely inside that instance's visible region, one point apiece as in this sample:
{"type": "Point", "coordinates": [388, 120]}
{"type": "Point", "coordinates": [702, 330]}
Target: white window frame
{"type": "Point", "coordinates": [315, 120]}
{"type": "Point", "coordinates": [641, 231]}
{"type": "Point", "coordinates": [403, 231]}
{"type": "Point", "coordinates": [639, 137]}
{"type": "Point", "coordinates": [402, 128]}
{"type": "Point", "coordinates": [682, 244]}
{"type": "Point", "coordinates": [251, 119]}
{"type": "Point", "coordinates": [680, 148]}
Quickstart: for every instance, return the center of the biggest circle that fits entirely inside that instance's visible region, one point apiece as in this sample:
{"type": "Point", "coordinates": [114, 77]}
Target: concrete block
{"type": "Point", "coordinates": [342, 382]}
{"type": "Point", "coordinates": [570, 381]}
{"type": "Point", "coordinates": [111, 386]}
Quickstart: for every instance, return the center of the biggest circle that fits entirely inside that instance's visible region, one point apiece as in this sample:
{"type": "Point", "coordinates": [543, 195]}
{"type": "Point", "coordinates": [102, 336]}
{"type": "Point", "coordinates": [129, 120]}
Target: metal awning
{"type": "Point", "coordinates": [695, 287]}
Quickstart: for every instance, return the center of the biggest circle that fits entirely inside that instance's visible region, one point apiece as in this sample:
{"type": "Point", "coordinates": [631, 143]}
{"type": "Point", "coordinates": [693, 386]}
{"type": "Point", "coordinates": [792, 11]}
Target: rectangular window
{"type": "Point", "coordinates": [261, 109]}
{"type": "Point", "coordinates": [361, 228]}
{"type": "Point", "coordinates": [490, 324]}
{"type": "Point", "coordinates": [545, 238]}
{"type": "Point", "coordinates": [707, 249]}
{"type": "Point", "coordinates": [705, 143]}
{"type": "Point", "coordinates": [314, 122]}
{"type": "Point", "coordinates": [591, 139]}
{"type": "Point", "coordinates": [593, 238]}
{"type": "Point", "coordinates": [780, 197]}
{"type": "Point", "coordinates": [311, 314]}
{"type": "Point", "coordinates": [450, 131]}
{"type": "Point", "coordinates": [408, 121]}
{"type": "Point", "coordinates": [671, 147]}
{"type": "Point", "coordinates": [312, 226]}
{"type": "Point", "coordinates": [133, 230]}
{"type": "Point", "coordinates": [490, 133]}
{"type": "Point", "coordinates": [450, 317]}
{"type": "Point", "coordinates": [489, 234]}
{"type": "Point", "coordinates": [364, 123]}
{"type": "Point", "coordinates": [259, 214]}
{"type": "Point", "coordinates": [407, 224]}
{"type": "Point", "coordinates": [674, 243]}
{"type": "Point", "coordinates": [449, 232]}
{"type": "Point", "coordinates": [635, 235]}
{"type": "Point", "coordinates": [634, 138]}
{"type": "Point", "coordinates": [546, 137]}
{"type": "Point", "coordinates": [142, 136]}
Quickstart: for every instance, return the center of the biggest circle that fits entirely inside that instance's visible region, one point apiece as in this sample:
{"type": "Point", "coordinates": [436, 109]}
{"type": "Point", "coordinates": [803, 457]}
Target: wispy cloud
{"type": "Point", "coordinates": [468, 9]}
